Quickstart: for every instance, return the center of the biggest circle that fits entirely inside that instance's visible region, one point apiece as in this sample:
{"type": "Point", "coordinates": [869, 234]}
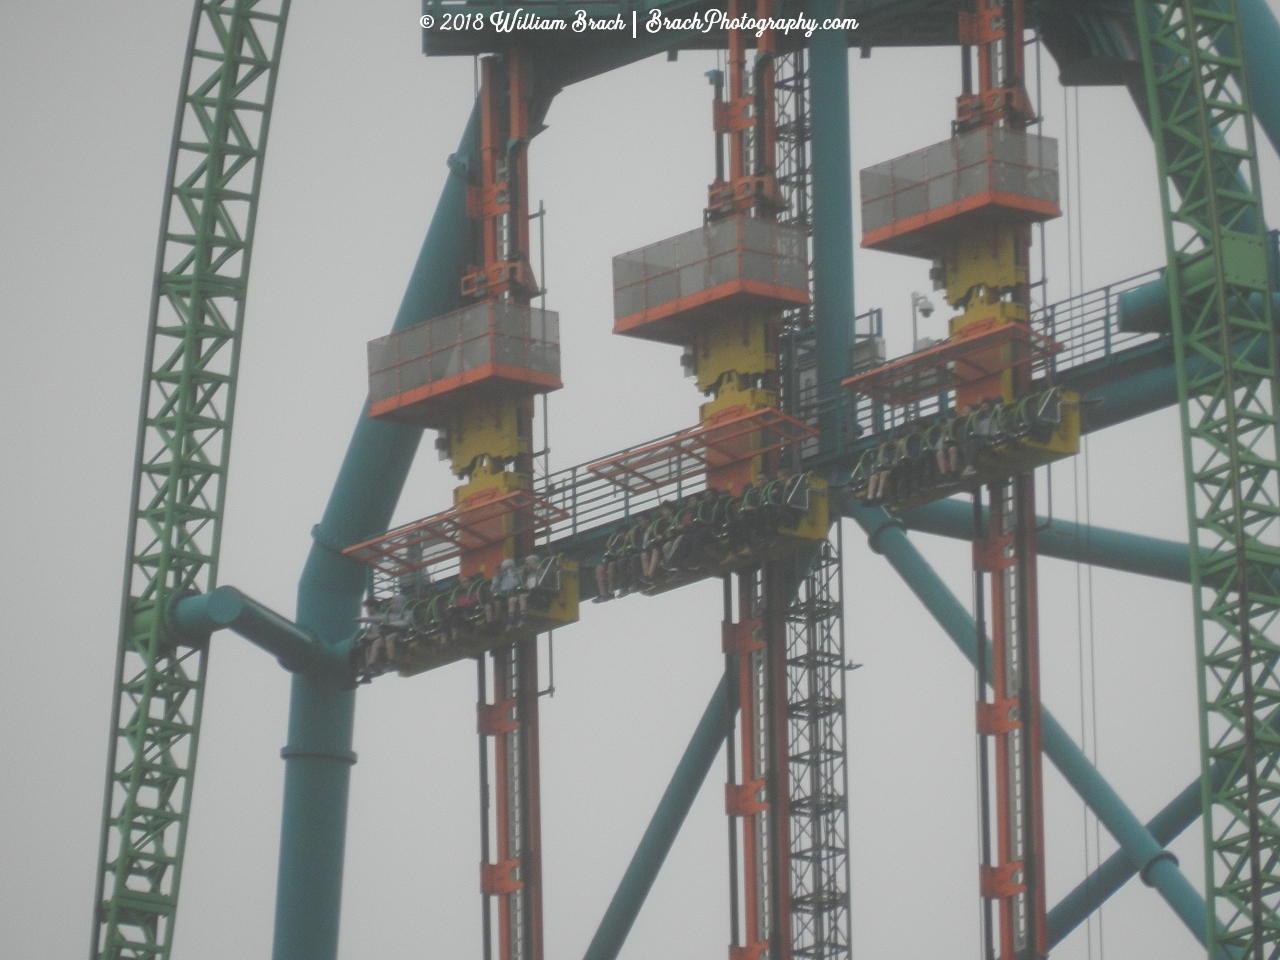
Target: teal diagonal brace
{"type": "Point", "coordinates": [886, 537]}
{"type": "Point", "coordinates": [661, 833]}
{"type": "Point", "coordinates": [1119, 869]}
{"type": "Point", "coordinates": [1114, 549]}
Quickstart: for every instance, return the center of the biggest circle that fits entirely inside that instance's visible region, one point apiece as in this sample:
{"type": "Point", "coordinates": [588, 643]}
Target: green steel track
{"type": "Point", "coordinates": [179, 485]}
{"type": "Point", "coordinates": [1222, 321]}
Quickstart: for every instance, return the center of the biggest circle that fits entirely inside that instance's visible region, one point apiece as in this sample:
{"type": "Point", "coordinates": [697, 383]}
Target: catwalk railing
{"type": "Point", "coordinates": [1087, 326]}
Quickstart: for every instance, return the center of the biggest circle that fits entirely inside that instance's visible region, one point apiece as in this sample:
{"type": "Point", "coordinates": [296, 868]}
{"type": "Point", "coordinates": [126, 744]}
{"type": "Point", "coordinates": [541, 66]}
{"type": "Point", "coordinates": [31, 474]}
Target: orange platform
{"type": "Point", "coordinates": [432, 404]}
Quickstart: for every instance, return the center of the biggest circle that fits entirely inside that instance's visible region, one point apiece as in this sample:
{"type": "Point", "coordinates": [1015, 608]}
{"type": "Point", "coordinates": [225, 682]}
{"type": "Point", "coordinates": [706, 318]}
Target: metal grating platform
{"type": "Point", "coordinates": [709, 446]}
{"type": "Point", "coordinates": [953, 363]}
{"type": "Point", "coordinates": [449, 534]}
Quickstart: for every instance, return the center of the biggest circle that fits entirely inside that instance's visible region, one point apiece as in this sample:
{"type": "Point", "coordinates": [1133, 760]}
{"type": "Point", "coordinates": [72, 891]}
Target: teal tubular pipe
{"type": "Point", "coordinates": [1146, 309]}
{"type": "Point", "coordinates": [1118, 869]}
{"type": "Point", "coordinates": [832, 201]}
{"type": "Point", "coordinates": [1261, 35]}
{"type": "Point", "coordinates": [886, 536]}
{"type": "Point", "coordinates": [1137, 394]}
{"type": "Point", "coordinates": [226, 608]}
{"type": "Point", "coordinates": [1130, 552]}
{"type": "Point", "coordinates": [661, 833]}
{"type": "Point", "coordinates": [318, 756]}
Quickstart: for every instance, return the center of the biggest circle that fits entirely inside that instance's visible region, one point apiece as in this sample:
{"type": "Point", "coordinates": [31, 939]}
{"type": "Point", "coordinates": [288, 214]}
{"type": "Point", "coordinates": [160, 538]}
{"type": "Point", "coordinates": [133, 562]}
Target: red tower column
{"type": "Point", "coordinates": [1012, 875]}
{"type": "Point", "coordinates": [756, 801]}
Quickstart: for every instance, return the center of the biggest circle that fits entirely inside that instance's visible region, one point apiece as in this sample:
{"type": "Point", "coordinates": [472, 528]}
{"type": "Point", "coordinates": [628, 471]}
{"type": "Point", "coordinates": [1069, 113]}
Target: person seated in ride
{"type": "Point", "coordinates": [909, 471]}
{"type": "Point", "coordinates": [660, 534]}
{"type": "Point", "coordinates": [530, 571]}
{"type": "Point", "coordinates": [750, 519]}
{"type": "Point", "coordinates": [721, 511]}
{"type": "Point", "coordinates": [633, 552]}
{"type": "Point", "coordinates": [772, 497]}
{"type": "Point", "coordinates": [881, 471]}
{"type": "Point", "coordinates": [363, 655]}
{"type": "Point", "coordinates": [946, 450]}
{"type": "Point", "coordinates": [382, 645]}
{"type": "Point", "coordinates": [980, 426]}
{"type": "Point", "coordinates": [695, 533]}
{"type": "Point", "coordinates": [505, 589]}
{"type": "Point", "coordinates": [741, 514]}
{"type": "Point", "coordinates": [682, 515]}
{"type": "Point", "coordinates": [788, 483]}
{"type": "Point", "coordinates": [465, 606]}
{"type": "Point", "coordinates": [607, 569]}
{"type": "Point", "coordinates": [397, 615]}
{"type": "Point", "coordinates": [1045, 415]}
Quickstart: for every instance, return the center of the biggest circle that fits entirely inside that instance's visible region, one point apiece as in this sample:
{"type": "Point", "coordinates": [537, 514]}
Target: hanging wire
{"type": "Point", "coordinates": [1076, 208]}
{"type": "Point", "coordinates": [1079, 208]}
{"type": "Point", "coordinates": [1066, 155]}
{"type": "Point", "coordinates": [1086, 622]}
{"type": "Point", "coordinates": [1080, 677]}
{"type": "Point", "coordinates": [1044, 260]}
{"type": "Point", "coordinates": [1043, 282]}
{"type": "Point", "coordinates": [1093, 677]}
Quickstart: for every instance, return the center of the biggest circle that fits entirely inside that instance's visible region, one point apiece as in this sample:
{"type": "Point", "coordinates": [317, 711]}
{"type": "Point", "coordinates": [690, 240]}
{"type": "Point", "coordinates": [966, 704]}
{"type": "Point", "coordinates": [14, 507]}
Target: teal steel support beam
{"type": "Point", "coordinates": [832, 174]}
{"type": "Point", "coordinates": [318, 756]}
{"type": "Point", "coordinates": [1135, 395]}
{"type": "Point", "coordinates": [1119, 868]}
{"type": "Point", "coordinates": [663, 828]}
{"type": "Point", "coordinates": [226, 608]}
{"type": "Point", "coordinates": [1146, 309]}
{"type": "Point", "coordinates": [886, 537]}
{"type": "Point", "coordinates": [1064, 540]}
{"type": "Point", "coordinates": [1261, 35]}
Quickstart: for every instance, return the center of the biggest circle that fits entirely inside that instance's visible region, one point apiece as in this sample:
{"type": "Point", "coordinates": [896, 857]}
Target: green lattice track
{"type": "Point", "coordinates": [184, 436]}
{"type": "Point", "coordinates": [1227, 392]}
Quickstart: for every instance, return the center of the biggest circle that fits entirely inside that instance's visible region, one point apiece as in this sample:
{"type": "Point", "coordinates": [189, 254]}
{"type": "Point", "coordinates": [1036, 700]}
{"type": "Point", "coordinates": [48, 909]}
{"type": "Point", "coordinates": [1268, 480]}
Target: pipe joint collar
{"type": "Point", "coordinates": [300, 753]}
{"type": "Point", "coordinates": [328, 542]}
{"type": "Point", "coordinates": [1145, 872]}
{"type": "Point", "coordinates": [873, 538]}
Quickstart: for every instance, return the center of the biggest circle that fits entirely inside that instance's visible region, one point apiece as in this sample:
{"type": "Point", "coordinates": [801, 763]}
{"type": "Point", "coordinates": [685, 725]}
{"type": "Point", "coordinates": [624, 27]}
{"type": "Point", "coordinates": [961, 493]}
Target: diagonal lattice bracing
{"type": "Point", "coordinates": [1222, 330]}
{"type": "Point", "coordinates": [197, 315]}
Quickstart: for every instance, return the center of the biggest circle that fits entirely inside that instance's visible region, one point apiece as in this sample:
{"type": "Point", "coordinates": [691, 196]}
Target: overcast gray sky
{"type": "Point", "coordinates": [363, 125]}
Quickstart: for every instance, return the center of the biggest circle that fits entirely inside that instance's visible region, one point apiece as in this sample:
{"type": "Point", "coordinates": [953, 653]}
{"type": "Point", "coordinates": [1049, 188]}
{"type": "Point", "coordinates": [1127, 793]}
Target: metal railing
{"type": "Point", "coordinates": [1087, 326]}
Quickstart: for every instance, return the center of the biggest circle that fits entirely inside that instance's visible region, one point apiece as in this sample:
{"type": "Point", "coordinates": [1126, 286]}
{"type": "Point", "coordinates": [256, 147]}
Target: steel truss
{"type": "Point", "coordinates": [184, 436]}
{"type": "Point", "coordinates": [816, 752]}
{"type": "Point", "coordinates": [791, 100]}
{"type": "Point", "coordinates": [511, 719]}
{"type": "Point", "coordinates": [1222, 323]}
{"type": "Point", "coordinates": [821, 922]}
